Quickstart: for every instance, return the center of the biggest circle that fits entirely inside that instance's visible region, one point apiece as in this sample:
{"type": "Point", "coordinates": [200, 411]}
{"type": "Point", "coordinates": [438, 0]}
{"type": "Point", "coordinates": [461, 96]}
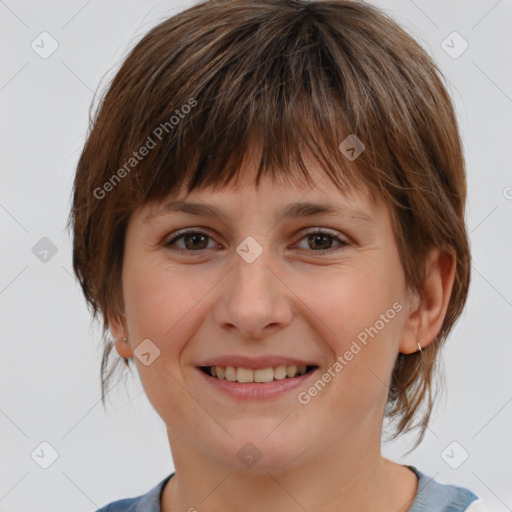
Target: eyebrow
{"type": "Point", "coordinates": [293, 210]}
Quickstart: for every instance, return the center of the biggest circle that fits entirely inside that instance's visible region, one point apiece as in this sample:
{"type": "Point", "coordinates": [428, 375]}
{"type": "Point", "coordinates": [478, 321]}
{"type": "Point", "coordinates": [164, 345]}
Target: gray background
{"type": "Point", "coordinates": [50, 354]}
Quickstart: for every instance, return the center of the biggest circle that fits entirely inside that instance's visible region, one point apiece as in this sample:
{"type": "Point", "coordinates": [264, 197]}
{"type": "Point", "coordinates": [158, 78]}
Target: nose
{"type": "Point", "coordinates": [253, 299]}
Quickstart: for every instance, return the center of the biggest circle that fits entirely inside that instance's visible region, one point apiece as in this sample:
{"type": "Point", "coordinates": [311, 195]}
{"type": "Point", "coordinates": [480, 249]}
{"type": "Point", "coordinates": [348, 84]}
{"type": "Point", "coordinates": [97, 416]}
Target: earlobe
{"type": "Point", "coordinates": [426, 319]}
{"type": "Point", "coordinates": [118, 330]}
{"type": "Point", "coordinates": [123, 348]}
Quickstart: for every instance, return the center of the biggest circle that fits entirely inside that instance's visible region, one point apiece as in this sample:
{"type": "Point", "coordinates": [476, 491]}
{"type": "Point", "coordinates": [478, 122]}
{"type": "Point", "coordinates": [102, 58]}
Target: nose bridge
{"type": "Point", "coordinates": [252, 277]}
{"type": "Point", "coordinates": [253, 297]}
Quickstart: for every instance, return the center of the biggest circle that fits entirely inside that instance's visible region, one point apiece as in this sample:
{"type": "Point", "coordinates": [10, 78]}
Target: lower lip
{"type": "Point", "coordinates": [257, 390]}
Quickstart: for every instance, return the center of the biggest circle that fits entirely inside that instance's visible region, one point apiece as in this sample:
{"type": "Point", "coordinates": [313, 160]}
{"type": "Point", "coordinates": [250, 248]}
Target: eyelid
{"type": "Point", "coordinates": [186, 231]}
{"type": "Point", "coordinates": [312, 231]}
{"type": "Point", "coordinates": [329, 232]}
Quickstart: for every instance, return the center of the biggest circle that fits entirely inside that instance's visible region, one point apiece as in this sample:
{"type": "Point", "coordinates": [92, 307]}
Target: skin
{"type": "Point", "coordinates": [292, 300]}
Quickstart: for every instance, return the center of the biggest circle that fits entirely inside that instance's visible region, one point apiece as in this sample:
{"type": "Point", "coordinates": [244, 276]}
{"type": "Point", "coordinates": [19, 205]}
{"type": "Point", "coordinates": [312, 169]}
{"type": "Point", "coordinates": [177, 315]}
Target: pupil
{"type": "Point", "coordinates": [321, 236]}
{"type": "Point", "coordinates": [194, 237]}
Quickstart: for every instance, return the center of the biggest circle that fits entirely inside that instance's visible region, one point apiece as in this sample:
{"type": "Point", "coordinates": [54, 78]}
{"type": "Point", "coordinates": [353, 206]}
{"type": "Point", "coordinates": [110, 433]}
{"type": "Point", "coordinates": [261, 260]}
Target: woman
{"type": "Point", "coordinates": [268, 215]}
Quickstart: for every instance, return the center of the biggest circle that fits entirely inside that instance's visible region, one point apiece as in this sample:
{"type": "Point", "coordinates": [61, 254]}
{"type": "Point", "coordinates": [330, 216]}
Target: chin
{"type": "Point", "coordinates": [259, 446]}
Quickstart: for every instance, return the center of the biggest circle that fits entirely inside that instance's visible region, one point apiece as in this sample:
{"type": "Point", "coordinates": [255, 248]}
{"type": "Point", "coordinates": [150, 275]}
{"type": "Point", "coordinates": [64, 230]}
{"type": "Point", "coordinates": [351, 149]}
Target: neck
{"type": "Point", "coordinates": [327, 482]}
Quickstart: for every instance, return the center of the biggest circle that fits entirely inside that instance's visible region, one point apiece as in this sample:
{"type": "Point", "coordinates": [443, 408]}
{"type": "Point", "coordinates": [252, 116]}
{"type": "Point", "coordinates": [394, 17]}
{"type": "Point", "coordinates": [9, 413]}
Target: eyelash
{"type": "Point", "coordinates": [317, 231]}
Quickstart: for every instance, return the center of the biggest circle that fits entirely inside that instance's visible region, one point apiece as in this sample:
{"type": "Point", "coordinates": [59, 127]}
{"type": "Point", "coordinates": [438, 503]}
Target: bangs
{"type": "Point", "coordinates": [293, 101]}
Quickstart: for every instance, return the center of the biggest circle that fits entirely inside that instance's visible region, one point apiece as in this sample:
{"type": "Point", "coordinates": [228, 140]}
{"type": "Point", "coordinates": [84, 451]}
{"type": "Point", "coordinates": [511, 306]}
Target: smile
{"type": "Point", "coordinates": [256, 384]}
{"type": "Point", "coordinates": [247, 375]}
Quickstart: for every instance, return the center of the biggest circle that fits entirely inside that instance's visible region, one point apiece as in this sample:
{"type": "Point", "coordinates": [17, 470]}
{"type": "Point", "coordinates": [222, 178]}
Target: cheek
{"type": "Point", "coordinates": [160, 303]}
{"type": "Point", "coordinates": [159, 298]}
{"type": "Point", "coordinates": [358, 314]}
{"type": "Point", "coordinates": [360, 326]}
{"type": "Point", "coordinates": [351, 302]}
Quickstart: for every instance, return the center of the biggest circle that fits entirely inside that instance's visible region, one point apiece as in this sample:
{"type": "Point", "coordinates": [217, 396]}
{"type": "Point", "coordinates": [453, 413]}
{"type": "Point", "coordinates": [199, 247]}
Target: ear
{"type": "Point", "coordinates": [117, 326]}
{"type": "Point", "coordinates": [428, 307]}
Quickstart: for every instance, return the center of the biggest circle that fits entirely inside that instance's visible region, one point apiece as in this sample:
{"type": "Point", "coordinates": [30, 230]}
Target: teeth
{"type": "Point", "coordinates": [261, 375]}
{"type": "Point", "coordinates": [265, 375]}
{"type": "Point", "coordinates": [230, 373]}
{"type": "Point", "coordinates": [291, 371]}
{"type": "Point", "coordinates": [244, 375]}
{"type": "Point", "coordinates": [280, 372]}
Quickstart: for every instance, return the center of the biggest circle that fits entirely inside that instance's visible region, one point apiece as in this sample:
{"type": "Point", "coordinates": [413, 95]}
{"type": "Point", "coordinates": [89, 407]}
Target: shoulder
{"type": "Point", "coordinates": [126, 505]}
{"type": "Point", "coordinates": [149, 502]}
{"type": "Point", "coordinates": [479, 506]}
{"type": "Point", "coordinates": [432, 496]}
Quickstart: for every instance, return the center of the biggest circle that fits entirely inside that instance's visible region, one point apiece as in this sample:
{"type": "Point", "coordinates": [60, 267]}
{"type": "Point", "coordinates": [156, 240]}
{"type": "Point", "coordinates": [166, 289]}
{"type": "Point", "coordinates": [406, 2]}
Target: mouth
{"type": "Point", "coordinates": [266, 377]}
{"type": "Point", "coordinates": [261, 375]}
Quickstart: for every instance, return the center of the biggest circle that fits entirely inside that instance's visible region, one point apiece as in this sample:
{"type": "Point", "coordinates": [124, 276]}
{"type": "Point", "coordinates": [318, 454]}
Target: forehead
{"type": "Point", "coordinates": [281, 196]}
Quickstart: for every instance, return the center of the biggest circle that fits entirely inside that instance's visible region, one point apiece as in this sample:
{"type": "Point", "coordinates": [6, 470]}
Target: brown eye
{"type": "Point", "coordinates": [196, 241]}
{"type": "Point", "coordinates": [319, 241]}
{"type": "Point", "coordinates": [193, 241]}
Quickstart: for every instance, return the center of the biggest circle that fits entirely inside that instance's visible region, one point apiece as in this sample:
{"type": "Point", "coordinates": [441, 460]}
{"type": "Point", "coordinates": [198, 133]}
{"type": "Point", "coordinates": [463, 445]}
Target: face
{"type": "Point", "coordinates": [247, 287]}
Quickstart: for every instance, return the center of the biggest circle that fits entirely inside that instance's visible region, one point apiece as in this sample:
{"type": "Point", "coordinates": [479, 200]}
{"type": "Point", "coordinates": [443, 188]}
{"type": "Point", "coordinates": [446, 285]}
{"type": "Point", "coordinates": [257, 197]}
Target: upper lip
{"type": "Point", "coordinates": [255, 362]}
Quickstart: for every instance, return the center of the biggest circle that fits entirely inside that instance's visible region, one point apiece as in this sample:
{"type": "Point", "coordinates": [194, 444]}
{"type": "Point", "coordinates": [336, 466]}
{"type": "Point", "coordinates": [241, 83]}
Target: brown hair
{"type": "Point", "coordinates": [302, 76]}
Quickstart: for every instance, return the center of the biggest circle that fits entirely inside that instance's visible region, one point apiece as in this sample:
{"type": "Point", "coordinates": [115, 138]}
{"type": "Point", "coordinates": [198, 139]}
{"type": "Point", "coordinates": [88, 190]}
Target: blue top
{"type": "Point", "coordinates": [431, 497]}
